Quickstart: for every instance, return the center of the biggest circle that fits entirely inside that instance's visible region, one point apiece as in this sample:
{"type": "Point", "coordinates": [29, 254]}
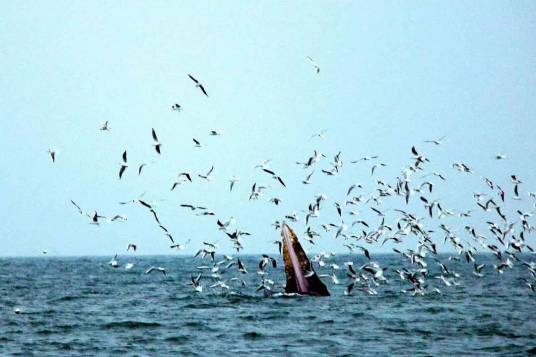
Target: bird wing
{"type": "Point", "coordinates": [121, 171]}
{"type": "Point", "coordinates": [203, 90]}
{"type": "Point", "coordinates": [155, 138]}
{"type": "Point", "coordinates": [192, 78]}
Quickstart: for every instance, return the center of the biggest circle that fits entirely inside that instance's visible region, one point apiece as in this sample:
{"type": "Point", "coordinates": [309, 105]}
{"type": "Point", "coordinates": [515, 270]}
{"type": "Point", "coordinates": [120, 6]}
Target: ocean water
{"type": "Point", "coordinates": [82, 306]}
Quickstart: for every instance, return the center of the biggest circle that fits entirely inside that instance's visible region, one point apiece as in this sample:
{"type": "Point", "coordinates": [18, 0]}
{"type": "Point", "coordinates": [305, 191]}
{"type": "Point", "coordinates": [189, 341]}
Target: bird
{"type": "Point", "coordinates": [307, 180]}
{"type": "Point", "coordinates": [156, 144]}
{"type": "Point", "coordinates": [195, 283]}
{"type": "Point", "coordinates": [180, 246]}
{"type": "Point", "coordinates": [315, 65]}
{"type": "Point", "coordinates": [133, 246]}
{"type": "Point", "coordinates": [78, 207]}
{"type": "Point", "coordinates": [52, 154]}
{"type": "Point", "coordinates": [198, 85]}
{"type": "Point", "coordinates": [192, 207]}
{"type": "Point", "coordinates": [208, 176]}
{"type": "Point", "coordinates": [232, 182]}
{"type": "Point", "coordinates": [113, 263]}
{"type": "Point", "coordinates": [276, 201]}
{"type": "Point", "coordinates": [124, 165]}
{"type": "Point", "coordinates": [214, 133]}
{"type": "Point", "coordinates": [436, 141]}
{"type": "Point", "coordinates": [176, 107]}
{"type": "Point", "coordinates": [105, 127]}
{"type": "Point", "coordinates": [197, 144]}
{"type": "Point", "coordinates": [266, 260]}
{"type": "Point", "coordinates": [95, 218]}
{"type": "Point", "coordinates": [119, 217]}
{"type": "Point", "coordinates": [141, 168]}
{"type": "Point", "coordinates": [153, 268]}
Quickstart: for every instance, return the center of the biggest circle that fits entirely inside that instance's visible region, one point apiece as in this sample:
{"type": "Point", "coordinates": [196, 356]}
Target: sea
{"type": "Point", "coordinates": [74, 306]}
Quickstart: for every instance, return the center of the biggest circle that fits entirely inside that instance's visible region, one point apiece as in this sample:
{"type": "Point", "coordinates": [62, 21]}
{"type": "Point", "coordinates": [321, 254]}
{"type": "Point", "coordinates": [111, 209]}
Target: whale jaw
{"type": "Point", "coordinates": [301, 277]}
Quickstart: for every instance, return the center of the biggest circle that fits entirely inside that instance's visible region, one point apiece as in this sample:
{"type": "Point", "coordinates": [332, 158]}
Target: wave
{"type": "Point", "coordinates": [130, 324]}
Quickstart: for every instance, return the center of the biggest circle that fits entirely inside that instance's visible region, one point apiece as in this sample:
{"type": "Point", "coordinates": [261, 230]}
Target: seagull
{"type": "Point", "coordinates": [208, 176]}
{"type": "Point", "coordinates": [113, 263]}
{"type": "Point", "coordinates": [265, 261]}
{"type": "Point", "coordinates": [437, 141]}
{"type": "Point", "coordinates": [500, 157]}
{"type": "Point", "coordinates": [153, 268]}
{"type": "Point", "coordinates": [263, 164]}
{"type": "Point", "coordinates": [232, 182]}
{"type": "Point", "coordinates": [124, 165]}
{"type": "Point", "coordinates": [78, 207]}
{"type": "Point", "coordinates": [156, 144]}
{"type": "Point", "coordinates": [241, 267]}
{"type": "Point", "coordinates": [45, 252]}
{"type": "Point", "coordinates": [198, 85]}
{"type": "Point", "coordinates": [320, 135]}
{"type": "Point", "coordinates": [105, 127]}
{"type": "Point", "coordinates": [307, 180]}
{"type": "Point", "coordinates": [276, 201]}
{"type": "Point", "coordinates": [192, 207]}
{"type": "Point", "coordinates": [180, 246]}
{"type": "Point", "coordinates": [133, 246]}
{"type": "Point", "coordinates": [197, 143]}
{"type": "Point", "coordinates": [214, 133]}
{"type": "Point", "coordinates": [52, 154]}
{"type": "Point", "coordinates": [141, 168]}
{"type": "Point", "coordinates": [119, 217]}
{"type": "Point", "coordinates": [176, 107]}
{"type": "Point", "coordinates": [95, 218]}
{"type": "Point", "coordinates": [195, 283]}
{"type": "Point", "coordinates": [315, 65]}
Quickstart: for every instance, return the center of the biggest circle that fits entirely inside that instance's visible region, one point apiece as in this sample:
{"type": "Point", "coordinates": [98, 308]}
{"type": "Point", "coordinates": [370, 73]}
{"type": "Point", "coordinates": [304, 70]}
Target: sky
{"type": "Point", "coordinates": [393, 74]}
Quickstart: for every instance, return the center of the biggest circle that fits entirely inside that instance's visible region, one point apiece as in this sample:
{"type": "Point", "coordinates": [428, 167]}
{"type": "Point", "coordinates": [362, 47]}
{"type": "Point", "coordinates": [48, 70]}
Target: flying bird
{"type": "Point", "coordinates": [198, 85]}
{"type": "Point", "coordinates": [156, 142]}
{"type": "Point", "coordinates": [153, 268]}
{"type": "Point", "coordinates": [315, 65]}
{"type": "Point", "coordinates": [123, 165]}
{"type": "Point", "coordinates": [52, 154]}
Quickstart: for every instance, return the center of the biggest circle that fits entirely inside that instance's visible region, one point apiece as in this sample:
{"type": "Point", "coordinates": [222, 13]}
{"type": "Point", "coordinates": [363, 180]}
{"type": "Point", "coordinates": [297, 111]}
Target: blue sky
{"type": "Point", "coordinates": [392, 75]}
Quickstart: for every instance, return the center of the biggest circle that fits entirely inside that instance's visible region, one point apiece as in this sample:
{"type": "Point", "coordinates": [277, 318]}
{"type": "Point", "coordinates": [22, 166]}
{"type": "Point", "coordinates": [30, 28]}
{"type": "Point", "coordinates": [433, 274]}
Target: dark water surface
{"type": "Point", "coordinates": [82, 306]}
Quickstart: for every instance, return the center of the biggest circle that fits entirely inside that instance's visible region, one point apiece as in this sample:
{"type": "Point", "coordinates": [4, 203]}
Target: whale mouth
{"type": "Point", "coordinates": [301, 277]}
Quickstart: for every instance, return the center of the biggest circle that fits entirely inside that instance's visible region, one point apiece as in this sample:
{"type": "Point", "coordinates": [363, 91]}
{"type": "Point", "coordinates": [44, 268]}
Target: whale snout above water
{"type": "Point", "coordinates": [301, 276]}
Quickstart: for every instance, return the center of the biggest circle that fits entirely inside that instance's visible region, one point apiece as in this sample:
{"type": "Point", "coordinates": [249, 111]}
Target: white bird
{"type": "Point", "coordinates": [52, 154]}
{"type": "Point", "coordinates": [232, 182]}
{"type": "Point", "coordinates": [315, 65]}
{"type": "Point", "coordinates": [208, 176]}
{"type": "Point", "coordinates": [153, 268]}
{"type": "Point", "coordinates": [113, 263]}
{"type": "Point", "coordinates": [105, 127]}
{"type": "Point", "coordinates": [437, 141]}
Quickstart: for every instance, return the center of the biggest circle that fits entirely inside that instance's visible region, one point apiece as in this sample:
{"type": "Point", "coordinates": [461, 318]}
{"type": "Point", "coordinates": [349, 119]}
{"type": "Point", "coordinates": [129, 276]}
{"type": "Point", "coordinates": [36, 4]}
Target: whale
{"type": "Point", "coordinates": [301, 276]}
